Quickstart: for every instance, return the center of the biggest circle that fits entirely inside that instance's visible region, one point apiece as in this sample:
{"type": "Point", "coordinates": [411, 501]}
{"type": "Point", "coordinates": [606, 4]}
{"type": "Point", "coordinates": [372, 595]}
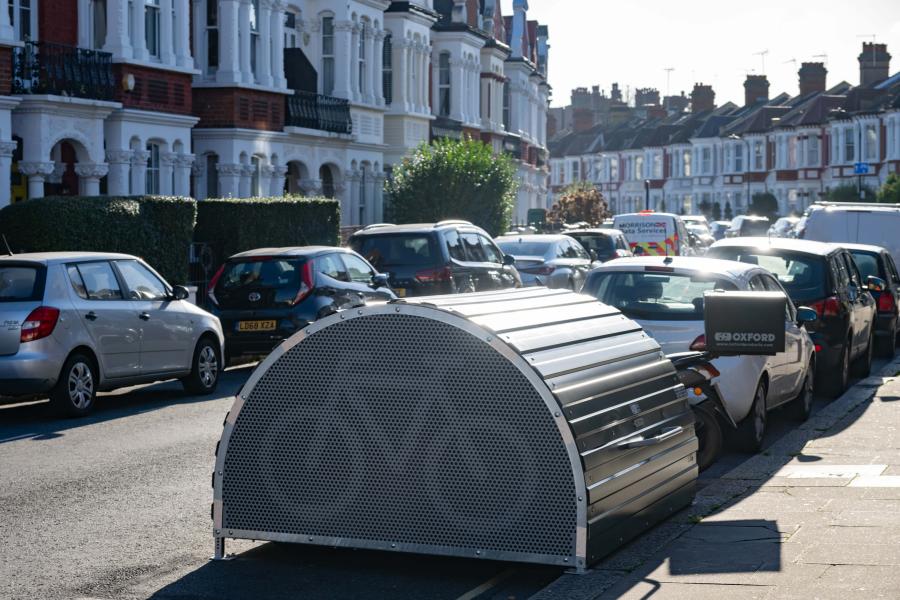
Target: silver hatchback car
{"type": "Point", "coordinates": [75, 323]}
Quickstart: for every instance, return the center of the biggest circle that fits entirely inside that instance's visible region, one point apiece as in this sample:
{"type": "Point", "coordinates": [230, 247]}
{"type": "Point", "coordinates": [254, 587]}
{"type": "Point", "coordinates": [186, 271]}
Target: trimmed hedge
{"type": "Point", "coordinates": [230, 226]}
{"type": "Point", "coordinates": [158, 229]}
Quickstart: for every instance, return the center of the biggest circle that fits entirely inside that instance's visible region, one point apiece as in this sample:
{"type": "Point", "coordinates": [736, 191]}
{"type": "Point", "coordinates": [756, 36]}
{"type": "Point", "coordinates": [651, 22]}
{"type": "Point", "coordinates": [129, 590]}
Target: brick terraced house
{"type": "Point", "coordinates": [242, 98]}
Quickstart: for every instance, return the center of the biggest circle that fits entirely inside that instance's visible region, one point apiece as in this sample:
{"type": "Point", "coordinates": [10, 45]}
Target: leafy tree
{"type": "Point", "coordinates": [849, 193]}
{"type": "Point", "coordinates": [764, 204]}
{"type": "Point", "coordinates": [582, 202]}
{"type": "Point", "coordinates": [717, 212]}
{"type": "Point", "coordinates": [452, 179]}
{"type": "Point", "coordinates": [705, 208]}
{"type": "Point", "coordinates": [729, 213]}
{"type": "Point", "coordinates": [890, 191]}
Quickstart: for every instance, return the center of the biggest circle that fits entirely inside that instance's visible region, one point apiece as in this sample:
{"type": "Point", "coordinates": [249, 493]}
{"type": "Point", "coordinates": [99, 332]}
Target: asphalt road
{"type": "Point", "coordinates": [116, 506]}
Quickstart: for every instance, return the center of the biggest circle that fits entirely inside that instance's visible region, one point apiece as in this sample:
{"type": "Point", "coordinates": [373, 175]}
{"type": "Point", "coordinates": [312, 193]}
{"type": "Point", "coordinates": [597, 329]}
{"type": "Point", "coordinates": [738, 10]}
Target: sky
{"type": "Point", "coordinates": [633, 42]}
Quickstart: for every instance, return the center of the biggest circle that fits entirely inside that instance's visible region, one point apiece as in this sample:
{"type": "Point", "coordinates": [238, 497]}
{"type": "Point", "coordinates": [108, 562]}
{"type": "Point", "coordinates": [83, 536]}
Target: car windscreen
{"type": "Point", "coordinates": [603, 245]}
{"type": "Point", "coordinates": [398, 250]}
{"type": "Point", "coordinates": [802, 275]}
{"type": "Point", "coordinates": [752, 228]}
{"type": "Point", "coordinates": [20, 283]}
{"type": "Point", "coordinates": [868, 264]}
{"type": "Point", "coordinates": [655, 296]}
{"type": "Point", "coordinates": [698, 229]}
{"type": "Point", "coordinates": [267, 273]}
{"type": "Point", "coordinates": [523, 248]}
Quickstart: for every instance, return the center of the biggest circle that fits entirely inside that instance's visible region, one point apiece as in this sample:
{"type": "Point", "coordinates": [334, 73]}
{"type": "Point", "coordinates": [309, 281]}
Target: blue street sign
{"type": "Point", "coordinates": [861, 169]}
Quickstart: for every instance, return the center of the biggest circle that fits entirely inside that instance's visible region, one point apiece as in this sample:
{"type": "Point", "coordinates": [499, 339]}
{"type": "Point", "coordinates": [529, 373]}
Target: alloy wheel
{"type": "Point", "coordinates": [81, 385]}
{"type": "Point", "coordinates": [207, 366]}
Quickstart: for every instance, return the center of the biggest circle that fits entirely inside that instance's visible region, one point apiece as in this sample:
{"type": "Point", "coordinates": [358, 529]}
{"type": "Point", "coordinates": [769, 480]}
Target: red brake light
{"type": "Point", "coordinates": [434, 275]}
{"type": "Point", "coordinates": [211, 289]}
{"type": "Point", "coordinates": [886, 302]}
{"type": "Point", "coordinates": [39, 324]}
{"type": "Point", "coordinates": [699, 344]}
{"type": "Point", "coordinates": [829, 307]}
{"type": "Point", "coordinates": [306, 283]}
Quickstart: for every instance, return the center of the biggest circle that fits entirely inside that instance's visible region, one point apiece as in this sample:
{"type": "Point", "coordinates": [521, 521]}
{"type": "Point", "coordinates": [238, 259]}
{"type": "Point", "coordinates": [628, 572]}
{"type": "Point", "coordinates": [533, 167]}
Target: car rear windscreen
{"type": "Point", "coordinates": [802, 275]}
{"type": "Point", "coordinates": [397, 250]}
{"type": "Point", "coordinates": [266, 273]}
{"type": "Point", "coordinates": [20, 283]}
{"type": "Point", "coordinates": [516, 248]}
{"type": "Point", "coordinates": [655, 296]}
{"type": "Point", "coordinates": [603, 245]}
{"type": "Point", "coordinates": [754, 228]}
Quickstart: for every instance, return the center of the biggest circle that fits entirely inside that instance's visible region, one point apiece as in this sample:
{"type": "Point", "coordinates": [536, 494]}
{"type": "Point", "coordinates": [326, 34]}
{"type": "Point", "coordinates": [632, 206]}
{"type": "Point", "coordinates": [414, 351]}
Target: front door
{"type": "Point", "coordinates": [108, 317]}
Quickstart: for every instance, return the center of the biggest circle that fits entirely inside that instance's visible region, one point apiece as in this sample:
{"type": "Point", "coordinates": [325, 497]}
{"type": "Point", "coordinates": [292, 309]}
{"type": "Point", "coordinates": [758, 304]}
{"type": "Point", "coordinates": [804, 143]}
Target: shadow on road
{"type": "Point", "coordinates": [37, 422]}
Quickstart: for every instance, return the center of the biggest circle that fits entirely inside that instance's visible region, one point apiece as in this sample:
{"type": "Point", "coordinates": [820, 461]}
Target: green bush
{"type": "Point", "coordinates": [454, 180]}
{"type": "Point", "coordinates": [157, 229]}
{"type": "Point", "coordinates": [229, 226]}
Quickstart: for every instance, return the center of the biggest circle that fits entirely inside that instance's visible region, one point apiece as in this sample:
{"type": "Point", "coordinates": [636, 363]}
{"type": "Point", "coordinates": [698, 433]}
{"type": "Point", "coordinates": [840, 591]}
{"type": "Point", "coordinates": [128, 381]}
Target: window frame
{"type": "Point", "coordinates": [112, 270]}
{"type": "Point", "coordinates": [346, 257]}
{"type": "Point", "coordinates": [327, 54]}
{"type": "Point", "coordinates": [387, 69]}
{"type": "Point", "coordinates": [152, 177]}
{"type": "Point", "coordinates": [152, 25]}
{"type": "Point", "coordinates": [167, 290]}
{"type": "Point", "coordinates": [445, 88]}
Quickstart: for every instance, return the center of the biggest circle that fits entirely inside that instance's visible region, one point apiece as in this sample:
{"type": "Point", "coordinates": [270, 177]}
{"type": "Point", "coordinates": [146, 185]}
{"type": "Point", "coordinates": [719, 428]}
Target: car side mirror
{"type": "Point", "coordinates": [381, 280]}
{"type": "Point", "coordinates": [509, 260]}
{"type": "Point", "coordinates": [875, 284]}
{"type": "Point", "coordinates": [593, 254]}
{"type": "Point", "coordinates": [806, 315]}
{"type": "Point", "coordinates": [179, 292]}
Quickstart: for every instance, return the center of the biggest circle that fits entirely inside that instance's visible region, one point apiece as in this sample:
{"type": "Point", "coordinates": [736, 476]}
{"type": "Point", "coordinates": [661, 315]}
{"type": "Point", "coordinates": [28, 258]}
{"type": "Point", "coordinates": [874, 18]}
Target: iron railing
{"type": "Point", "coordinates": [61, 70]}
{"type": "Point", "coordinates": [315, 111]}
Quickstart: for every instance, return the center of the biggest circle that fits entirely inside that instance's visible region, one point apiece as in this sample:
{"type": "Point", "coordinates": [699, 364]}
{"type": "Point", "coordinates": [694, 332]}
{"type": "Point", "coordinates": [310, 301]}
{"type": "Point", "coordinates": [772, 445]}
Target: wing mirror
{"type": "Point", "coordinates": [179, 292]}
{"type": "Point", "coordinates": [593, 254]}
{"type": "Point", "coordinates": [381, 280]}
{"type": "Point", "coordinates": [875, 284]}
{"type": "Point", "coordinates": [509, 260]}
{"type": "Point", "coordinates": [806, 315]}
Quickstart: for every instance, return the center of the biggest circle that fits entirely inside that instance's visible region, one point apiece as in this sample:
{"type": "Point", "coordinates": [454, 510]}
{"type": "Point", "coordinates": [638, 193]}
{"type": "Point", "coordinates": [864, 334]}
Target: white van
{"type": "Point", "coordinates": [856, 223]}
{"type": "Point", "coordinates": [654, 234]}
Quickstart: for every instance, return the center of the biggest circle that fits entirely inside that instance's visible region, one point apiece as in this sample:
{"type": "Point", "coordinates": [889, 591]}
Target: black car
{"type": "Point", "coordinates": [444, 258]}
{"type": "Point", "coordinates": [824, 277]}
{"type": "Point", "coordinates": [603, 244]}
{"type": "Point", "coordinates": [875, 261]}
{"type": "Point", "coordinates": [264, 296]}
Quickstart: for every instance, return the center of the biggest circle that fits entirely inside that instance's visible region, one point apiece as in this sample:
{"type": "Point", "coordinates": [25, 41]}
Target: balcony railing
{"type": "Point", "coordinates": [315, 111]}
{"type": "Point", "coordinates": [60, 70]}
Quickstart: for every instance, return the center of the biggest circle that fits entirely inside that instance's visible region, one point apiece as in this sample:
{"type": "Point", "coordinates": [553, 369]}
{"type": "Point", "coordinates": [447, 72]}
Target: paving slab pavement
{"type": "Point", "coordinates": [817, 515]}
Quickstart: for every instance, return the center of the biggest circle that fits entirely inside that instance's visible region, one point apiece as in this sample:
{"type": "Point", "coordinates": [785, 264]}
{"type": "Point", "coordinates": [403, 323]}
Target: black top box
{"type": "Point", "coordinates": [744, 323]}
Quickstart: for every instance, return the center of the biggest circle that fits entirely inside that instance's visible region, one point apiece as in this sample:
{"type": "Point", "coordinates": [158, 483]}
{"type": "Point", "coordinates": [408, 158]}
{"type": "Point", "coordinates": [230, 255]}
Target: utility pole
{"type": "Point", "coordinates": [646, 194]}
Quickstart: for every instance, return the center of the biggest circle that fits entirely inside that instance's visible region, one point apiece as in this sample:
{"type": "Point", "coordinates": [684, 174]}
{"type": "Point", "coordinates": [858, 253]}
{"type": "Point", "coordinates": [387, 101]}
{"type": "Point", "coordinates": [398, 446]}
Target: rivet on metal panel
{"type": "Point", "coordinates": [359, 312]}
{"type": "Point", "coordinates": [397, 309]}
{"type": "Point", "coordinates": [393, 545]}
{"type": "Point", "coordinates": [342, 317]}
{"type": "Point", "coordinates": [220, 473]}
{"type": "Point", "coordinates": [566, 559]}
{"type": "Point", "coordinates": [215, 532]}
{"type": "Point", "coordinates": [478, 553]}
{"type": "Point", "coordinates": [580, 499]}
{"type": "Point", "coordinates": [490, 339]}
{"type": "Point", "coordinates": [308, 331]}
{"type": "Point", "coordinates": [230, 532]}
{"type": "Point", "coordinates": [556, 414]}
{"type": "Point", "coordinates": [309, 539]}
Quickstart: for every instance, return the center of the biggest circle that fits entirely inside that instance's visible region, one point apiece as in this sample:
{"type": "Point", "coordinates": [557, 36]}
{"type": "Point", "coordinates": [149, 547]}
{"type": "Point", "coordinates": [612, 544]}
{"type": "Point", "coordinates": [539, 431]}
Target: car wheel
{"type": "Point", "coordinates": [709, 436]}
{"type": "Point", "coordinates": [835, 381]}
{"type": "Point", "coordinates": [752, 430]}
{"type": "Point", "coordinates": [205, 369]}
{"type": "Point", "coordinates": [863, 365]}
{"type": "Point", "coordinates": [801, 406]}
{"type": "Point", "coordinates": [75, 392]}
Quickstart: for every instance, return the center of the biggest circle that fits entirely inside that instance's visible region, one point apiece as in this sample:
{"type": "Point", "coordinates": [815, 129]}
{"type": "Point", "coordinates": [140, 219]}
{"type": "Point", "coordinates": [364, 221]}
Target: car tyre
{"type": "Point", "coordinates": [835, 381]}
{"type": "Point", "coordinates": [801, 407]}
{"type": "Point", "coordinates": [863, 365]}
{"type": "Point", "coordinates": [709, 436]}
{"type": "Point", "coordinates": [752, 430]}
{"type": "Point", "coordinates": [76, 390]}
{"type": "Point", "coordinates": [205, 368]}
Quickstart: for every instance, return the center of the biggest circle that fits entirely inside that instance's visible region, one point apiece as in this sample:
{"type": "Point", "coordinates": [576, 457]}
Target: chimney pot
{"type": "Point", "coordinates": [874, 63]}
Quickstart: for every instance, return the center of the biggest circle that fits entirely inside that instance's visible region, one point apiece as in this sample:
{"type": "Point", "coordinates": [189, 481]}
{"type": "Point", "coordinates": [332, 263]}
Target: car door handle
{"type": "Point", "coordinates": [144, 316]}
{"type": "Point", "coordinates": [91, 316]}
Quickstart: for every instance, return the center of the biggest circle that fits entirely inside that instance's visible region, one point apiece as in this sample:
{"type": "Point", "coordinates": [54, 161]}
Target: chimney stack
{"type": "Point", "coordinates": [703, 98]}
{"type": "Point", "coordinates": [646, 97]}
{"type": "Point", "coordinates": [583, 120]}
{"type": "Point", "coordinates": [517, 37]}
{"type": "Point", "coordinates": [756, 89]}
{"type": "Point", "coordinates": [812, 77]}
{"type": "Point", "coordinates": [874, 63]}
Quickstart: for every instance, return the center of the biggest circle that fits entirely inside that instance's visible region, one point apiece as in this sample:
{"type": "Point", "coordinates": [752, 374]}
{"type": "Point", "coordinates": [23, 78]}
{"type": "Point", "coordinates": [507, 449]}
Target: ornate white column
{"type": "Point", "coordinates": [420, 79]}
{"type": "Point", "coordinates": [350, 208]}
{"type": "Point", "coordinates": [264, 54]}
{"type": "Point", "coordinates": [354, 63]}
{"type": "Point", "coordinates": [6, 152]}
{"type": "Point", "coordinates": [400, 75]}
{"type": "Point", "coordinates": [182, 34]}
{"type": "Point", "coordinates": [229, 70]}
{"type": "Point", "coordinates": [378, 200]}
{"type": "Point", "coordinates": [167, 163]}
{"type": "Point", "coordinates": [371, 203]}
{"type": "Point", "coordinates": [89, 175]}
{"type": "Point", "coordinates": [166, 45]}
{"type": "Point", "coordinates": [139, 160]}
{"type": "Point", "coordinates": [244, 36]}
{"type": "Point", "coordinates": [117, 40]}
{"type": "Point", "coordinates": [276, 185]}
{"type": "Point", "coordinates": [119, 170]}
{"type": "Point", "coordinates": [343, 40]}
{"type": "Point", "coordinates": [229, 180]}
{"type": "Point", "coordinates": [378, 62]}
{"type": "Point", "coordinates": [244, 190]}
{"type": "Point", "coordinates": [277, 29]}
{"type": "Point", "coordinates": [368, 34]}
{"type": "Point", "coordinates": [457, 80]}
{"type": "Point", "coordinates": [37, 173]}
{"type": "Point", "coordinates": [183, 166]}
{"type": "Point", "coordinates": [266, 174]}
{"type": "Point", "coordinates": [138, 31]}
